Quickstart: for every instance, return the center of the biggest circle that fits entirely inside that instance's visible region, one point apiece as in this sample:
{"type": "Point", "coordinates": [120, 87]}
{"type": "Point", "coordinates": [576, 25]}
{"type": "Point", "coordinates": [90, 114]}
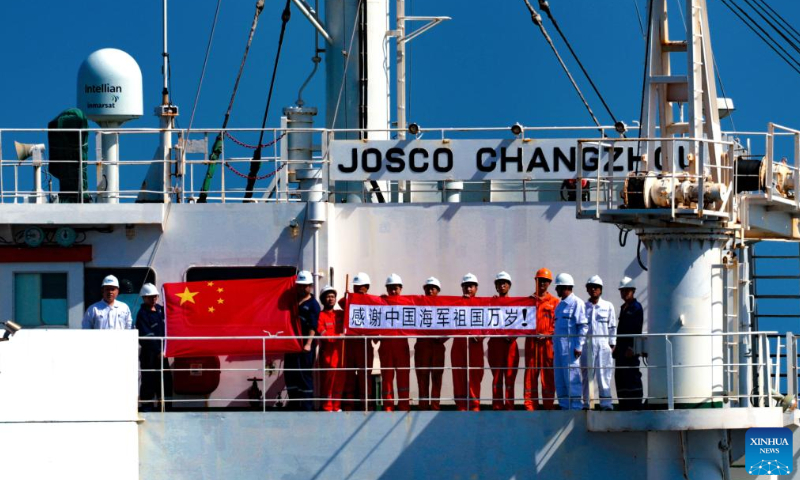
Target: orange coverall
{"type": "Point", "coordinates": [331, 359]}
{"type": "Point", "coordinates": [429, 364]}
{"type": "Point", "coordinates": [395, 356]}
{"type": "Point", "coordinates": [539, 356]}
{"type": "Point", "coordinates": [503, 356]}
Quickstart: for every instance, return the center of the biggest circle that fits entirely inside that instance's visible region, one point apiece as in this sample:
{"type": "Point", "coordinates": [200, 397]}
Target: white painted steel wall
{"type": "Point", "coordinates": [68, 404]}
{"type": "Point", "coordinates": [422, 445]}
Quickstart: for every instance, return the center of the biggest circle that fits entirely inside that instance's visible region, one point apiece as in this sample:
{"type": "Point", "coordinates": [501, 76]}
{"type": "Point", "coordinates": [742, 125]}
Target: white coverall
{"type": "Point", "coordinates": [570, 319]}
{"type": "Point", "coordinates": [598, 361]}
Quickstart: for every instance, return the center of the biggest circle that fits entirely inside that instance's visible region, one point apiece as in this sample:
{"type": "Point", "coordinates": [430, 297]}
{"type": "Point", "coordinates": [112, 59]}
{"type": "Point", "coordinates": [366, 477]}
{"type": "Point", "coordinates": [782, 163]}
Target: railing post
{"type": "Point", "coordinates": [579, 185]}
{"type": "Point", "coordinates": [222, 172]}
{"type": "Point", "coordinates": [770, 144]}
{"type": "Point", "coordinates": [264, 373]}
{"type": "Point", "coordinates": [80, 170]}
{"type": "Point", "coordinates": [791, 365]}
{"type": "Point", "coordinates": [367, 344]}
{"type": "Point", "coordinates": [670, 378]}
{"type": "Point", "coordinates": [761, 369]}
{"type": "Point", "coordinates": [161, 367]}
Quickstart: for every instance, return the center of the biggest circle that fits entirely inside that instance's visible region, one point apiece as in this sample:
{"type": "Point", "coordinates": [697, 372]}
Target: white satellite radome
{"type": "Point", "coordinates": [110, 93]}
{"type": "Point", "coordinates": [110, 87]}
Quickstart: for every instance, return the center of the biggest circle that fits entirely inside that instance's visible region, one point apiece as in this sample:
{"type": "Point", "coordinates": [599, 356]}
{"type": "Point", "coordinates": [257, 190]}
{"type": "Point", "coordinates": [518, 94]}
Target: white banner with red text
{"type": "Point", "coordinates": [414, 315]}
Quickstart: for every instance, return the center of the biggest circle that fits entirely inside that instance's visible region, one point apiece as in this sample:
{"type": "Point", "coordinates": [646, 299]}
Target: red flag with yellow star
{"type": "Point", "coordinates": [231, 308]}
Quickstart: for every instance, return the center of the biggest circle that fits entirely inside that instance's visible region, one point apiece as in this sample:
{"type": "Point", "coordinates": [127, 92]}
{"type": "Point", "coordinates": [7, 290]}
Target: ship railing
{"type": "Point", "coordinates": [781, 177]}
{"type": "Point", "coordinates": [746, 376]}
{"type": "Point", "coordinates": [187, 167]}
{"type": "Point", "coordinates": [681, 167]}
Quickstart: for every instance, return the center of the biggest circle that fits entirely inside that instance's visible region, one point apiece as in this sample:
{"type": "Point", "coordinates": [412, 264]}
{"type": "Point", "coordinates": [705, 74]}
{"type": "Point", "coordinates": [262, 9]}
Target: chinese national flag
{"type": "Point", "coordinates": [231, 308]}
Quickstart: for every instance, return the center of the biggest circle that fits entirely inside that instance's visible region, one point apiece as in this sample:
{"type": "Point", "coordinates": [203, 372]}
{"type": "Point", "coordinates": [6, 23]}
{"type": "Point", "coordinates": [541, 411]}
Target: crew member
{"type": "Point", "coordinates": [466, 358]}
{"type": "Point", "coordinates": [358, 358]}
{"type": "Point", "coordinates": [603, 337]}
{"type": "Point", "coordinates": [503, 354]}
{"type": "Point", "coordinates": [539, 349]}
{"type": "Point", "coordinates": [297, 374]}
{"type": "Point", "coordinates": [150, 323]}
{"type": "Point", "coordinates": [429, 359]}
{"type": "Point", "coordinates": [627, 376]}
{"type": "Point", "coordinates": [331, 351]}
{"type": "Point", "coordinates": [108, 313]}
{"type": "Point", "coordinates": [395, 359]}
{"type": "Point", "coordinates": [570, 331]}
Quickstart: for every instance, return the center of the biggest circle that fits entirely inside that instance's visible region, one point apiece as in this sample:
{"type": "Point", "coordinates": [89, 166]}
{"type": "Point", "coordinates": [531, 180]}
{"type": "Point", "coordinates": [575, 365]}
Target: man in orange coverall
{"type": "Point", "coordinates": [358, 357]}
{"type": "Point", "coordinates": [331, 351]}
{"type": "Point", "coordinates": [503, 356]}
{"type": "Point", "coordinates": [429, 359]}
{"type": "Point", "coordinates": [464, 350]}
{"type": "Point", "coordinates": [395, 359]}
{"type": "Point", "coordinates": [539, 351]}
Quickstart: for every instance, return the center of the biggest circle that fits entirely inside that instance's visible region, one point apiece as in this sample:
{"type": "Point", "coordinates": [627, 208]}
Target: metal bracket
{"type": "Point", "coordinates": [432, 22]}
{"type": "Point", "coordinates": [308, 11]}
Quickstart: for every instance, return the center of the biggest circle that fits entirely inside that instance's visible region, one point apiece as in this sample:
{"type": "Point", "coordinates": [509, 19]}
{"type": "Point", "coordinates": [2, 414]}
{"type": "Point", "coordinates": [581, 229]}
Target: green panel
{"type": "Point", "coordinates": [27, 299]}
{"type": "Point", "coordinates": [54, 311]}
{"type": "Point", "coordinates": [132, 300]}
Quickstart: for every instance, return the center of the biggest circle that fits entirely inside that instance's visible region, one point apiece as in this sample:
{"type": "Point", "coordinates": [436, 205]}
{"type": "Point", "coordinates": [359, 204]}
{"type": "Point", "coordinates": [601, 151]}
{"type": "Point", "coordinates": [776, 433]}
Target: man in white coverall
{"type": "Point", "coordinates": [603, 331]}
{"type": "Point", "coordinates": [570, 319]}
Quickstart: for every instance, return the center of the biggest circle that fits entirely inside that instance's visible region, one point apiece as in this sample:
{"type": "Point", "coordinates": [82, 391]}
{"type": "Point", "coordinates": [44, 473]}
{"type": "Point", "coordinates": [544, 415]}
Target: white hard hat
{"type": "Point", "coordinates": [394, 279]}
{"type": "Point", "coordinates": [469, 278]}
{"type": "Point", "coordinates": [627, 282]}
{"type": "Point", "coordinates": [326, 289]}
{"type": "Point", "coordinates": [595, 280]}
{"type": "Point", "coordinates": [433, 281]}
{"type": "Point", "coordinates": [503, 276]}
{"type": "Point", "coordinates": [304, 278]}
{"type": "Point", "coordinates": [564, 280]}
{"type": "Point", "coordinates": [361, 278]}
{"type": "Point", "coordinates": [148, 290]}
{"type": "Point", "coordinates": [111, 281]}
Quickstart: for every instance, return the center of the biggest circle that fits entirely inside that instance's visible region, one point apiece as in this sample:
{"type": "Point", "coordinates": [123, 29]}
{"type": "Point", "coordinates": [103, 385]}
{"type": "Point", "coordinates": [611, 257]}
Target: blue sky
{"type": "Point", "coordinates": [488, 66]}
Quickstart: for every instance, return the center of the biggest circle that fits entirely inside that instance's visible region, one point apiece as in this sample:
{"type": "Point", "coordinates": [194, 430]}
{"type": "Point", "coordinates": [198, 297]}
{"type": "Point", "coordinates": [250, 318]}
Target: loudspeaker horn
{"type": "Point", "coordinates": [25, 150]}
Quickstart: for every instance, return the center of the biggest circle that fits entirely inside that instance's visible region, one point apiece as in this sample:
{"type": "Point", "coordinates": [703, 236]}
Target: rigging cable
{"type": "Point", "coordinates": [618, 126]}
{"type": "Point", "coordinates": [644, 83]}
{"type": "Point", "coordinates": [639, 17]}
{"type": "Point", "coordinates": [537, 19]}
{"type": "Point", "coordinates": [762, 36]}
{"type": "Point", "coordinates": [216, 149]}
{"type": "Point", "coordinates": [777, 29]}
{"type": "Point", "coordinates": [639, 255]}
{"type": "Point", "coordinates": [203, 70]}
{"type": "Point", "coordinates": [792, 30]}
{"type": "Point", "coordinates": [255, 165]}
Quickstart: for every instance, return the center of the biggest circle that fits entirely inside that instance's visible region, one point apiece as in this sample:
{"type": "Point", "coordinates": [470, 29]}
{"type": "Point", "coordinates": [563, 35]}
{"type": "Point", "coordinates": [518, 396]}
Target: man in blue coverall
{"type": "Point", "coordinates": [298, 366]}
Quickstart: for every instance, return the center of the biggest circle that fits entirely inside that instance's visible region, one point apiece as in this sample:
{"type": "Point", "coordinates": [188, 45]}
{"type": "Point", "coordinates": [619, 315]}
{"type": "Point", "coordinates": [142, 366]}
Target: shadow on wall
{"type": "Point", "coordinates": [500, 445]}
{"type": "Point", "coordinates": [416, 445]}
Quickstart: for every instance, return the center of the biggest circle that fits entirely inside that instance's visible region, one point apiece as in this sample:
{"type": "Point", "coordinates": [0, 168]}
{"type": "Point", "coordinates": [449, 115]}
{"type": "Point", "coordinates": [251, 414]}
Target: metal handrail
{"type": "Point", "coordinates": [764, 366]}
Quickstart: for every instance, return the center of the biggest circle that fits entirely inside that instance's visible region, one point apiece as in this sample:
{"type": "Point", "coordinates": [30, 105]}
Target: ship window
{"type": "Point", "coordinates": [40, 299]}
{"type": "Point", "coordinates": [202, 274]}
{"type": "Point", "coordinates": [130, 284]}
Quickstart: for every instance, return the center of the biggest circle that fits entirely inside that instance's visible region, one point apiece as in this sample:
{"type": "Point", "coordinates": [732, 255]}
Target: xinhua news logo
{"type": "Point", "coordinates": [768, 451]}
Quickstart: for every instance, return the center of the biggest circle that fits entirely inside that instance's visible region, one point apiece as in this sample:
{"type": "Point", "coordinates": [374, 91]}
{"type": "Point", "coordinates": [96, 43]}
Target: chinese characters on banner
{"type": "Point", "coordinates": [420, 315]}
